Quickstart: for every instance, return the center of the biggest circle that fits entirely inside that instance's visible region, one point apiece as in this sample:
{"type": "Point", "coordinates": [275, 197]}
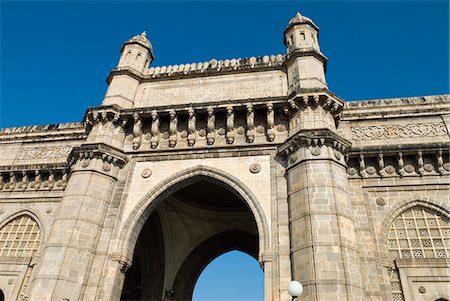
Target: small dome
{"type": "Point", "coordinates": [300, 19]}
{"type": "Point", "coordinates": [142, 40]}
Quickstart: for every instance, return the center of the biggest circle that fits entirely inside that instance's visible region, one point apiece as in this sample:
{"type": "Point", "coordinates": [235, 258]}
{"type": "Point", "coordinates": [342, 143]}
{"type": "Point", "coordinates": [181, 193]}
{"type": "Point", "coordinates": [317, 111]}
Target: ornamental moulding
{"type": "Point", "coordinates": [110, 157]}
{"type": "Point", "coordinates": [314, 140]}
{"type": "Point", "coordinates": [416, 130]}
{"type": "Point", "coordinates": [44, 152]}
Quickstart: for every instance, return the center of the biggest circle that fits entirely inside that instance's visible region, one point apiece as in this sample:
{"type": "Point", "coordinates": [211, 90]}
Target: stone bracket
{"type": "Point", "coordinates": [97, 156]}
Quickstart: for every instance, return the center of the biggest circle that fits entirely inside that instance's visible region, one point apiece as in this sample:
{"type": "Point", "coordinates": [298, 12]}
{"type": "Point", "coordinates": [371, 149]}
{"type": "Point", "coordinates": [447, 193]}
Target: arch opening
{"type": "Point", "coordinates": [234, 275]}
{"type": "Point", "coordinates": [193, 222]}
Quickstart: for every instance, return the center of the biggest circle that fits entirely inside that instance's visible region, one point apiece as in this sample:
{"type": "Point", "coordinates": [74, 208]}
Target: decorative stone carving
{"type": "Point", "coordinates": [401, 164]}
{"type": "Point", "coordinates": [154, 130]}
{"type": "Point", "coordinates": [192, 120]}
{"type": "Point", "coordinates": [381, 164]}
{"type": "Point", "coordinates": [137, 131]}
{"type": "Point", "coordinates": [428, 167]}
{"type": "Point", "coordinates": [211, 127]}
{"type": "Point", "coordinates": [420, 163]}
{"type": "Point", "coordinates": [293, 158]}
{"type": "Point", "coordinates": [416, 130]}
{"type": "Point", "coordinates": [45, 152]}
{"type": "Point", "coordinates": [230, 125]}
{"type": "Point", "coordinates": [250, 124]}
{"type": "Point", "coordinates": [281, 128]}
{"type": "Point", "coordinates": [390, 169]}
{"type": "Point", "coordinates": [352, 171]}
{"type": "Point", "coordinates": [146, 173]}
{"type": "Point", "coordinates": [404, 169]}
{"type": "Point", "coordinates": [99, 157]}
{"type": "Point", "coordinates": [362, 166]}
{"type": "Point", "coordinates": [270, 123]}
{"type": "Point", "coordinates": [380, 202]}
{"type": "Point", "coordinates": [33, 179]}
{"type": "Point", "coordinates": [371, 170]}
{"type": "Point", "coordinates": [214, 66]}
{"type": "Point", "coordinates": [173, 128]}
{"type": "Point", "coordinates": [255, 168]}
{"type": "Point", "coordinates": [409, 168]}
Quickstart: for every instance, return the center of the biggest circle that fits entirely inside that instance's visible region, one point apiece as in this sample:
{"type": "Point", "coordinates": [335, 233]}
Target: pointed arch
{"type": "Point", "coordinates": [21, 235]}
{"type": "Point", "coordinates": [129, 234]}
{"type": "Point", "coordinates": [389, 219]}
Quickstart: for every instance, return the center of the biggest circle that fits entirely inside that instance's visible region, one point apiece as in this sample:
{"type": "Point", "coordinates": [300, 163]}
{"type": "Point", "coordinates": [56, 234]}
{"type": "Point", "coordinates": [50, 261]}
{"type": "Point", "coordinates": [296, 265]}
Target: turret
{"type": "Point", "coordinates": [136, 53]}
{"type": "Point", "coordinates": [305, 63]}
{"type": "Point", "coordinates": [135, 57]}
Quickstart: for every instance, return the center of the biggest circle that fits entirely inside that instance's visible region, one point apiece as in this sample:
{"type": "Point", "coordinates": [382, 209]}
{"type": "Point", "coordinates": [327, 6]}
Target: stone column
{"type": "Point", "coordinates": [324, 254]}
{"type": "Point", "coordinates": [64, 266]}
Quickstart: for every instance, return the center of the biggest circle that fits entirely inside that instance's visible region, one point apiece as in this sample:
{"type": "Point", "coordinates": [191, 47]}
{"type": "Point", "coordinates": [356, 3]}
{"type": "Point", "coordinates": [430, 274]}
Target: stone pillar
{"type": "Point", "coordinates": [64, 266]}
{"type": "Point", "coordinates": [324, 253]}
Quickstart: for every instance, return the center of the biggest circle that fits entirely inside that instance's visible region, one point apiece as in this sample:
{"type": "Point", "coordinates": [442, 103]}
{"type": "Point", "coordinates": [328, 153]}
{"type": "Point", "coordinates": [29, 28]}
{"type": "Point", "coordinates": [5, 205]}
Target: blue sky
{"type": "Point", "coordinates": [55, 57]}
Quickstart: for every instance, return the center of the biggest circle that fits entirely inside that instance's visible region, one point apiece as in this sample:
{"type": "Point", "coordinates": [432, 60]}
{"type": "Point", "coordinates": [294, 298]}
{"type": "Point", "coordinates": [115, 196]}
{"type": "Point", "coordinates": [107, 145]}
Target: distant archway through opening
{"type": "Point", "coordinates": [190, 227]}
{"type": "Point", "coordinates": [232, 276]}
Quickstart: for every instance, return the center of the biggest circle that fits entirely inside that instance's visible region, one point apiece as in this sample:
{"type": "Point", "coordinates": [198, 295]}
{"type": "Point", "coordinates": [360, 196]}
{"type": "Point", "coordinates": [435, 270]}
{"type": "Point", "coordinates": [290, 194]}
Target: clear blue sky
{"type": "Point", "coordinates": [56, 55]}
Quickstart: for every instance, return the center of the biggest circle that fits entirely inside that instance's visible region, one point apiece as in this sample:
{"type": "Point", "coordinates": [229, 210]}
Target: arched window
{"type": "Point", "coordinates": [20, 237]}
{"type": "Point", "coordinates": [419, 232]}
{"type": "Point", "coordinates": [2, 296]}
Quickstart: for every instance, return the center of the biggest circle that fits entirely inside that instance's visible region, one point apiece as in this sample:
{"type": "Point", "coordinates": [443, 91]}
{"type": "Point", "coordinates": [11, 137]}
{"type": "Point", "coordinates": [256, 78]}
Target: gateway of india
{"type": "Point", "coordinates": [180, 164]}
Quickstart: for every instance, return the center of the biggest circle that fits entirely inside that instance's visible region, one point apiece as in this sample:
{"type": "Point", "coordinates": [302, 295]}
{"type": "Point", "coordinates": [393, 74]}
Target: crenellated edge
{"type": "Point", "coordinates": [209, 68]}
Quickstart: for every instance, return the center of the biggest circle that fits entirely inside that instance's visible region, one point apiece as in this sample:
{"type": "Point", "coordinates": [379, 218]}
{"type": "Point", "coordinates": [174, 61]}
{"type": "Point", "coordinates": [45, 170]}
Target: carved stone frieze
{"type": "Point", "coordinates": [319, 144]}
{"type": "Point", "coordinates": [44, 152]}
{"type": "Point", "coordinates": [398, 164]}
{"type": "Point", "coordinates": [33, 178]}
{"type": "Point", "coordinates": [415, 130]}
{"type": "Point", "coordinates": [186, 127]}
{"type": "Point", "coordinates": [98, 157]}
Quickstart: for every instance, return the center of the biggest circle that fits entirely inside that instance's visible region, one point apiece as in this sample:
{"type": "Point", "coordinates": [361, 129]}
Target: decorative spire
{"type": "Point", "coordinates": [300, 19]}
{"type": "Point", "coordinates": [140, 39]}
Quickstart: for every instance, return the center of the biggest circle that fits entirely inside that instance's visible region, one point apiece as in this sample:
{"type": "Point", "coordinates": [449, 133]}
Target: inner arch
{"type": "Point", "coordinates": [195, 221]}
{"type": "Point", "coordinates": [231, 276]}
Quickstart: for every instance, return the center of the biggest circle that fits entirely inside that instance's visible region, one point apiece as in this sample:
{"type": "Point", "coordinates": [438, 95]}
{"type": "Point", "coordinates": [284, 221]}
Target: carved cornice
{"type": "Point", "coordinates": [418, 161]}
{"type": "Point", "coordinates": [99, 157]}
{"type": "Point", "coordinates": [73, 130]}
{"type": "Point", "coordinates": [314, 145]}
{"type": "Point", "coordinates": [210, 68]}
{"type": "Point", "coordinates": [397, 107]}
{"type": "Point", "coordinates": [34, 177]}
{"type": "Point", "coordinates": [304, 98]}
{"type": "Point", "coordinates": [194, 126]}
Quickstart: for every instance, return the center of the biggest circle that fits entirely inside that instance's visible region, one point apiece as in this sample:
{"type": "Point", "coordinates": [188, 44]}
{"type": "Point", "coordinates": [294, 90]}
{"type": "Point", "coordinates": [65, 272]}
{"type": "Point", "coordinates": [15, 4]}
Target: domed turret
{"type": "Point", "coordinates": [301, 33]}
{"type": "Point", "coordinates": [136, 53]}
{"type": "Point", "coordinates": [306, 64]}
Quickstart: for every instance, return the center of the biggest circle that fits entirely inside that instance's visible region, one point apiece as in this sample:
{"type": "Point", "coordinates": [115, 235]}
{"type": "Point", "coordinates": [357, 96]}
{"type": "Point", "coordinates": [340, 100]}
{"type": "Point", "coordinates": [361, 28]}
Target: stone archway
{"type": "Point", "coordinates": [195, 220]}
